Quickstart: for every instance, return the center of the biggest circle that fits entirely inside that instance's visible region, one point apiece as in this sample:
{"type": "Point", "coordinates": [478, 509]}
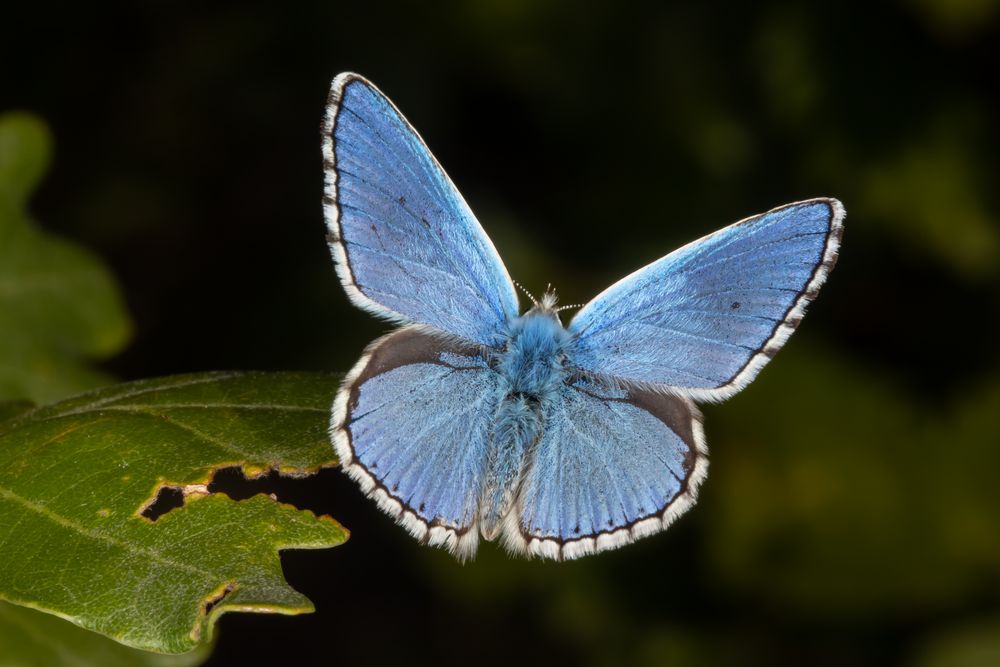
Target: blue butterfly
{"type": "Point", "coordinates": [475, 420]}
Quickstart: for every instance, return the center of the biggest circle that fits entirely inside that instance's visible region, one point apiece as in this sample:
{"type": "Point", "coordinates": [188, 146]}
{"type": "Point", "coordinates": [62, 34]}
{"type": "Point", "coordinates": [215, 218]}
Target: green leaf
{"type": "Point", "coordinates": [29, 638]}
{"type": "Point", "coordinates": [59, 306]}
{"type": "Point", "coordinates": [25, 151]}
{"type": "Point", "coordinates": [76, 476]}
{"type": "Point", "coordinates": [11, 409]}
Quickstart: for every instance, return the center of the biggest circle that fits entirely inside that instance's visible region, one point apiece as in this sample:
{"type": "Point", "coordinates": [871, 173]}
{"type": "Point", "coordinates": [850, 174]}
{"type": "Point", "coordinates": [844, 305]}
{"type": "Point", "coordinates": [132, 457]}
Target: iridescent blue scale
{"type": "Point", "coordinates": [474, 421]}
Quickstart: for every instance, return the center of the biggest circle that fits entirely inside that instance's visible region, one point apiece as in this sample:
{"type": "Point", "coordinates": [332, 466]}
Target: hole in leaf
{"type": "Point", "coordinates": [168, 498]}
{"type": "Point", "coordinates": [234, 483]}
{"type": "Point", "coordinates": [211, 603]}
{"type": "Point", "coordinates": [302, 490]}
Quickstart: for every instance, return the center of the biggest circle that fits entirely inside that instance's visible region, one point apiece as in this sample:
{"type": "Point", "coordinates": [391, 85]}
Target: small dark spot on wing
{"type": "Point", "coordinates": [402, 200]}
{"type": "Point", "coordinates": [377, 235]}
{"type": "Point", "coordinates": [735, 305]}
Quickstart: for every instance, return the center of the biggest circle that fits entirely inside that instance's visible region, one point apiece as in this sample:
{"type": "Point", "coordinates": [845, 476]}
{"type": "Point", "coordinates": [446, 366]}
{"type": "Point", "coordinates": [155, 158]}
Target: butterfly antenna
{"type": "Point", "coordinates": [572, 305]}
{"type": "Point", "coordinates": [522, 288]}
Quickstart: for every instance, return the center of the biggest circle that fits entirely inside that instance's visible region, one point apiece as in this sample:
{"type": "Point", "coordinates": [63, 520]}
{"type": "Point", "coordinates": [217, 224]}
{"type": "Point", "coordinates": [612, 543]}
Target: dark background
{"type": "Point", "coordinates": [852, 511]}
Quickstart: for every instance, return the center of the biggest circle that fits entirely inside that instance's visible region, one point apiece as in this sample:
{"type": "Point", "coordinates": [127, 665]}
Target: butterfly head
{"type": "Point", "coordinates": [537, 350]}
{"type": "Point", "coordinates": [548, 303]}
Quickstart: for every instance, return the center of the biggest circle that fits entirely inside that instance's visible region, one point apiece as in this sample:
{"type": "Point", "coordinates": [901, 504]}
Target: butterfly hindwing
{"type": "Point", "coordinates": [411, 425]}
{"type": "Point", "coordinates": [613, 465]}
{"type": "Point", "coordinates": [706, 318]}
{"type": "Point", "coordinates": [406, 245]}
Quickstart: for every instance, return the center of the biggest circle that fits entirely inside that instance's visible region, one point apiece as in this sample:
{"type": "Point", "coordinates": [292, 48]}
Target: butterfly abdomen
{"type": "Point", "coordinates": [532, 367]}
{"type": "Point", "coordinates": [517, 426]}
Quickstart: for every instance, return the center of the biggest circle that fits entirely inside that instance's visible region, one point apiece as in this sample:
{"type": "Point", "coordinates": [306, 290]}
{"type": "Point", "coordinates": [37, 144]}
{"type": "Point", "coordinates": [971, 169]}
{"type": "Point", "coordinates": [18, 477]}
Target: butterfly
{"type": "Point", "coordinates": [474, 420]}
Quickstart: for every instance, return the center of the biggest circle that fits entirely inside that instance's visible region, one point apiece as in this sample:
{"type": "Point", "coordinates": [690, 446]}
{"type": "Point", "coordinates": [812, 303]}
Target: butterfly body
{"type": "Point", "coordinates": [537, 353]}
{"type": "Point", "coordinates": [532, 364]}
{"type": "Point", "coordinates": [475, 420]}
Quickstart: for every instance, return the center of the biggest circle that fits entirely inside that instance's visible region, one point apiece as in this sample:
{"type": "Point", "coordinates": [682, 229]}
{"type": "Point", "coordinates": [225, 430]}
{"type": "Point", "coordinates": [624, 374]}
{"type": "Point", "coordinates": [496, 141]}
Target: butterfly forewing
{"type": "Point", "coordinates": [406, 245]}
{"type": "Point", "coordinates": [704, 319]}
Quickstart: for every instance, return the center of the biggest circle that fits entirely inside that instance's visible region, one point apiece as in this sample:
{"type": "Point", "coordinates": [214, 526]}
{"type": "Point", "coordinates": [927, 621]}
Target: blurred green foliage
{"type": "Point", "coordinates": [972, 645]}
{"type": "Point", "coordinates": [832, 516]}
{"type": "Point", "coordinates": [30, 638]}
{"type": "Point", "coordinates": [59, 306]}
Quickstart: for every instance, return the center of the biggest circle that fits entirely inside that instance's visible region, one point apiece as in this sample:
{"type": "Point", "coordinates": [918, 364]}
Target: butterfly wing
{"type": "Point", "coordinates": [613, 465]}
{"type": "Point", "coordinates": [411, 426]}
{"type": "Point", "coordinates": [707, 317]}
{"type": "Point", "coordinates": [404, 241]}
